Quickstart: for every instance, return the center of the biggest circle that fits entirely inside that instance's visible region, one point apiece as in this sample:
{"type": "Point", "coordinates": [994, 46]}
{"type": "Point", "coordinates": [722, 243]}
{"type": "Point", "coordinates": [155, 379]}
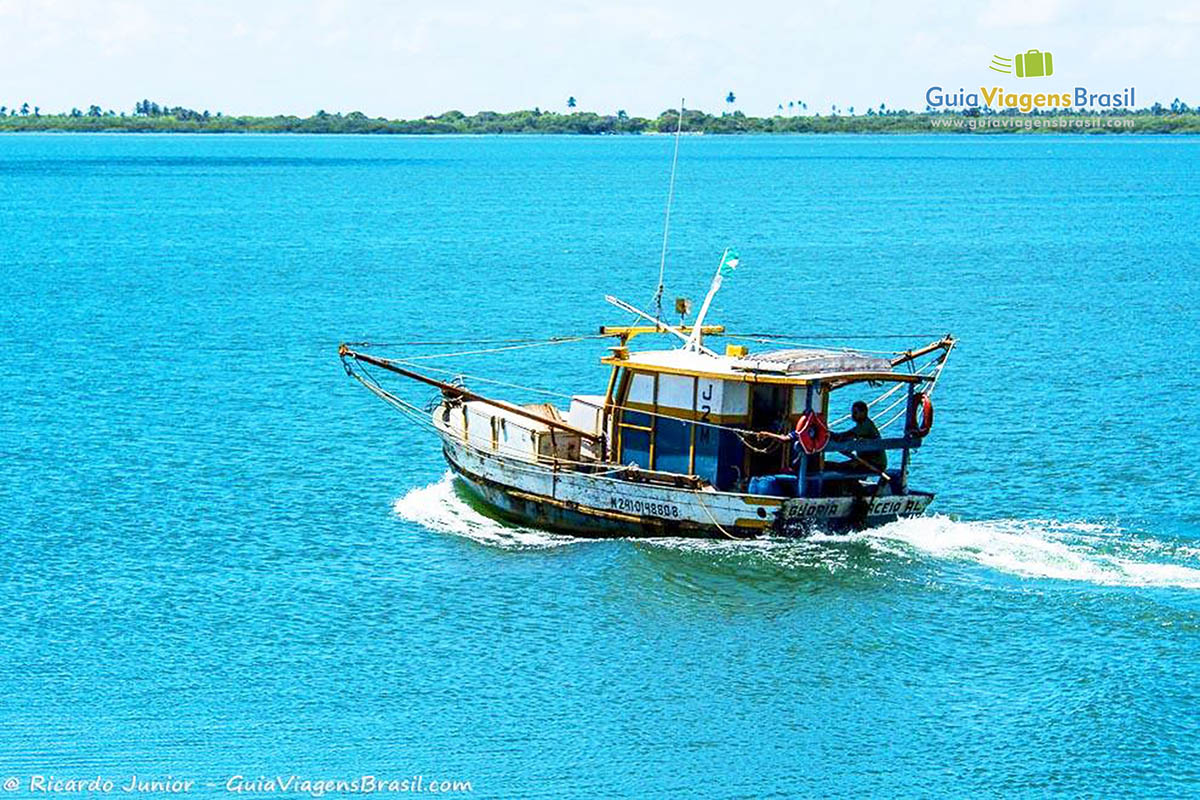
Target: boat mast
{"type": "Point", "coordinates": [729, 261]}
{"type": "Point", "coordinates": [662, 261]}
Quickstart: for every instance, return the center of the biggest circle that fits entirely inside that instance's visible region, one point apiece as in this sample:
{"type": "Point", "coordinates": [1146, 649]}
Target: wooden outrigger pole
{"type": "Point", "coordinates": [945, 343]}
{"type": "Point", "coordinates": [450, 390]}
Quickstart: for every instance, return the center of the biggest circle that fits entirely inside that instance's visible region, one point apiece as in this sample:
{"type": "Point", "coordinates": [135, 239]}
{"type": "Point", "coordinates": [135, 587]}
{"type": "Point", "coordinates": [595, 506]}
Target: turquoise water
{"type": "Point", "coordinates": [223, 558]}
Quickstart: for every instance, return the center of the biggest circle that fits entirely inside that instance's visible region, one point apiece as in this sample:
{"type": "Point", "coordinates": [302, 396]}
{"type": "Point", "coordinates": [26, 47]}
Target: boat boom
{"type": "Point", "coordinates": [450, 390]}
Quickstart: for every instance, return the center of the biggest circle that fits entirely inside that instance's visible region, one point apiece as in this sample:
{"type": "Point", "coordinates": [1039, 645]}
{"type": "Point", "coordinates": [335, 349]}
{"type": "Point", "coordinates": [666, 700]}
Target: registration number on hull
{"type": "Point", "coordinates": [645, 508]}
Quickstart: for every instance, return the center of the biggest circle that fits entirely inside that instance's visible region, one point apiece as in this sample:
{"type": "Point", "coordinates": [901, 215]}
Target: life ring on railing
{"type": "Point", "coordinates": [812, 432]}
{"type": "Point", "coordinates": [926, 405]}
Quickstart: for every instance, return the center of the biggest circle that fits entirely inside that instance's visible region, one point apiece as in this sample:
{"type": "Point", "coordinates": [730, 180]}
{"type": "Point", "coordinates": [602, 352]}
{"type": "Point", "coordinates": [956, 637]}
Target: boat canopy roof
{"type": "Point", "coordinates": [800, 366]}
{"type": "Point", "coordinates": [817, 362]}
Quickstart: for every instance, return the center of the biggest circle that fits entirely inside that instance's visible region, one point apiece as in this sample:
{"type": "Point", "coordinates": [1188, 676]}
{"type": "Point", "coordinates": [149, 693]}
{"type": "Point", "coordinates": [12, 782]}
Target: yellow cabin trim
{"type": "Point", "coordinates": [682, 413]}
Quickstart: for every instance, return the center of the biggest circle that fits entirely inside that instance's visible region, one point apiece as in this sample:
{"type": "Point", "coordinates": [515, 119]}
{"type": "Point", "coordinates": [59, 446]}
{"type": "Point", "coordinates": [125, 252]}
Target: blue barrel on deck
{"type": "Point", "coordinates": [773, 485]}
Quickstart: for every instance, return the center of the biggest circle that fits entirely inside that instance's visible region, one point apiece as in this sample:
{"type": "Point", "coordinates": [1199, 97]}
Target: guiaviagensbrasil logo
{"type": "Point", "coordinates": [1030, 64]}
{"type": "Point", "coordinates": [1035, 98]}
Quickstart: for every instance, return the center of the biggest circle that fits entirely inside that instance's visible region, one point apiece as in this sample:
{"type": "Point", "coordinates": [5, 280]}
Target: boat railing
{"type": "Point", "coordinates": [874, 445]}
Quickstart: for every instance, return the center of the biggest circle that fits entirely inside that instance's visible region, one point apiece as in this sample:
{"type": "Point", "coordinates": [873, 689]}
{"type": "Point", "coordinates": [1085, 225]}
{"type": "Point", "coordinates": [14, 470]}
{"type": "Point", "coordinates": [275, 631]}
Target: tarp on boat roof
{"type": "Point", "coordinates": [782, 366]}
{"type": "Point", "coordinates": [817, 362]}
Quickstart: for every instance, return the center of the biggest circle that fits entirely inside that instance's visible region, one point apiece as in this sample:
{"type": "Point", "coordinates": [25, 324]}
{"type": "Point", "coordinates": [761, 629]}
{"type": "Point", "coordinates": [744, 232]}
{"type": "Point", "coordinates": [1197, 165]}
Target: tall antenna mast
{"type": "Point", "coordinates": [662, 261]}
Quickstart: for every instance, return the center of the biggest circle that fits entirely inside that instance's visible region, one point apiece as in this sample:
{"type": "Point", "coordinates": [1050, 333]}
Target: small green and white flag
{"type": "Point", "coordinates": [729, 262]}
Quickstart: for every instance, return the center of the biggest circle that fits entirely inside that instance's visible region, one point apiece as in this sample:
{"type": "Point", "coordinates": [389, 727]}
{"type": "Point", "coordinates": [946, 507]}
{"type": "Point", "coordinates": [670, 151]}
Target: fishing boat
{"type": "Point", "coordinates": [685, 440]}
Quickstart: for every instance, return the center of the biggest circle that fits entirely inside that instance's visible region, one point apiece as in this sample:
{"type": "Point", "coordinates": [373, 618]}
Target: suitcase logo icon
{"type": "Point", "coordinates": [1030, 64]}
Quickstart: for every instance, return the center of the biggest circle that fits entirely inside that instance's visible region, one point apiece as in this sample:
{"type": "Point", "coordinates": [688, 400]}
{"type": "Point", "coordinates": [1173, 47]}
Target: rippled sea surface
{"type": "Point", "coordinates": [223, 558]}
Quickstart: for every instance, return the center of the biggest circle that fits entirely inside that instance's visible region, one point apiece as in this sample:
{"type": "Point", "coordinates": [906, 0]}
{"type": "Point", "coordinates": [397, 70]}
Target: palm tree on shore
{"type": "Point", "coordinates": [25, 109]}
{"type": "Point", "coordinates": [570, 102]}
{"type": "Point", "coordinates": [730, 98]}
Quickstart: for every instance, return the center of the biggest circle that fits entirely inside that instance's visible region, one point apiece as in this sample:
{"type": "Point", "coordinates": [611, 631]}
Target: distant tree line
{"type": "Point", "coordinates": [147, 108]}
{"type": "Point", "coordinates": [150, 116]}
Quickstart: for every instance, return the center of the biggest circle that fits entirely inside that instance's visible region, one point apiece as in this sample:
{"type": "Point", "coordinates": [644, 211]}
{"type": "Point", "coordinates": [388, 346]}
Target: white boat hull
{"type": "Point", "coordinates": [615, 503]}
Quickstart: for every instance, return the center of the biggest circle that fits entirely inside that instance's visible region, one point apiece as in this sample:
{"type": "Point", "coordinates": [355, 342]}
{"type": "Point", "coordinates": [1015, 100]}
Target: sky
{"type": "Point", "coordinates": [404, 59]}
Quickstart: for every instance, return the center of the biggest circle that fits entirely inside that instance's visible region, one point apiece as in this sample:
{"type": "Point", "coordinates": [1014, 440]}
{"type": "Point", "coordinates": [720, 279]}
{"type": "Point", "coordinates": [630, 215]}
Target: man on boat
{"type": "Point", "coordinates": [873, 462]}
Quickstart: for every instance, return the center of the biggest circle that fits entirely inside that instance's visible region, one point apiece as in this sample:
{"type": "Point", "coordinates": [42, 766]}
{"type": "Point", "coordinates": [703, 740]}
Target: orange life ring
{"type": "Point", "coordinates": [921, 399]}
{"type": "Point", "coordinates": [812, 432]}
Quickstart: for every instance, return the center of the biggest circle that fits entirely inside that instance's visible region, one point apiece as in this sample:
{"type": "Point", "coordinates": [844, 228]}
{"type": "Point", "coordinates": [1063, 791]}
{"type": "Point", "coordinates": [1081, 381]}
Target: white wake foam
{"type": "Point", "coordinates": [1071, 551]}
{"type": "Point", "coordinates": [1092, 552]}
{"type": "Point", "coordinates": [439, 508]}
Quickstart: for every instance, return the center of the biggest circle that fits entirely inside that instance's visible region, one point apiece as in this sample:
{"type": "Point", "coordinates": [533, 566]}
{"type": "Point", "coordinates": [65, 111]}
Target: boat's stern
{"type": "Point", "coordinates": [802, 516]}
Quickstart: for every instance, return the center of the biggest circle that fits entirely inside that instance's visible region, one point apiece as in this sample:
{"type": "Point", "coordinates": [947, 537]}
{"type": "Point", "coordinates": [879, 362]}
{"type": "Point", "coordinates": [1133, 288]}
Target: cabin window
{"type": "Point", "coordinates": [641, 391]}
{"type": "Point", "coordinates": [799, 393]}
{"type": "Point", "coordinates": [635, 429]}
{"type": "Point", "coordinates": [672, 445]}
{"type": "Point", "coordinates": [635, 425]}
{"type": "Point", "coordinates": [636, 421]}
{"type": "Point", "coordinates": [635, 447]}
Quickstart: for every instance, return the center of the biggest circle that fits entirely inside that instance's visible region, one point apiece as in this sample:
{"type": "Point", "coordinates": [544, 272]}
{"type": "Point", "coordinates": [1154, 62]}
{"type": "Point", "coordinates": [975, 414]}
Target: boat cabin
{"type": "Point", "coordinates": [696, 413]}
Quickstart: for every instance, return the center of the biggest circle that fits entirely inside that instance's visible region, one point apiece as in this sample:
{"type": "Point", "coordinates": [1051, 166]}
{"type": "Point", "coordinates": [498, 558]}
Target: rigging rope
{"type": "Point", "coordinates": [423, 419]}
{"type": "Point", "coordinates": [563, 396]}
{"type": "Point", "coordinates": [764, 338]}
{"type": "Point", "coordinates": [940, 363]}
{"type": "Point", "coordinates": [505, 348]}
{"type": "Point", "coordinates": [936, 362]}
{"type": "Point", "coordinates": [662, 262]}
{"type": "Point", "coordinates": [934, 366]}
{"type": "Point", "coordinates": [887, 394]}
{"type": "Point", "coordinates": [704, 506]}
{"type": "Point", "coordinates": [573, 337]}
{"type": "Point", "coordinates": [782, 336]}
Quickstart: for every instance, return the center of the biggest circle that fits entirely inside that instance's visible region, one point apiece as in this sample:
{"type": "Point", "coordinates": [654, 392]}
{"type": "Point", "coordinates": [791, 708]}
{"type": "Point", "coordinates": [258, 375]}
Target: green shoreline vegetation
{"type": "Point", "coordinates": [149, 117]}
